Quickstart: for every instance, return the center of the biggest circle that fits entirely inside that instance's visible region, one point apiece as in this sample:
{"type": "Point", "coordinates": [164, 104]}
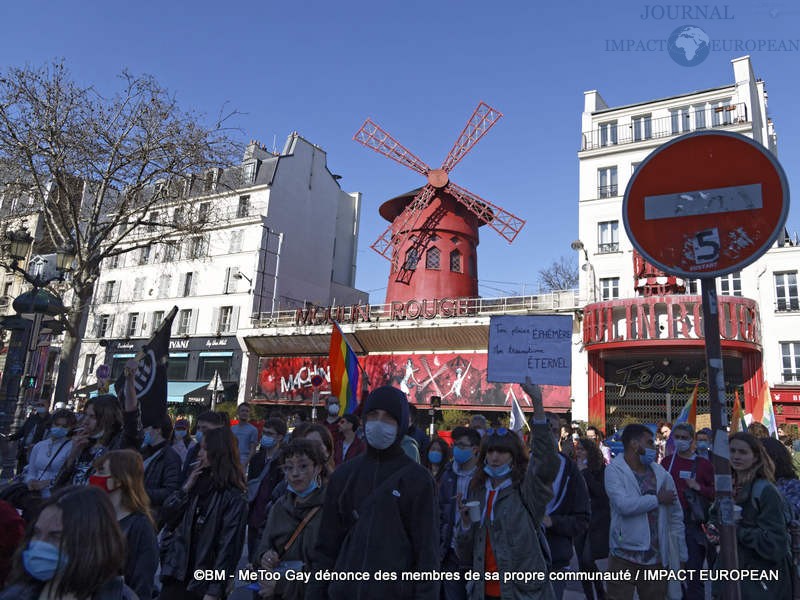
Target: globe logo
{"type": "Point", "coordinates": [689, 45]}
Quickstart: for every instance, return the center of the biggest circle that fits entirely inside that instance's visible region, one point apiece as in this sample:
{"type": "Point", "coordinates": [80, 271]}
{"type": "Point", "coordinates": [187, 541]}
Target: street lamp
{"type": "Point", "coordinates": [578, 246]}
{"type": "Point", "coordinates": [19, 245]}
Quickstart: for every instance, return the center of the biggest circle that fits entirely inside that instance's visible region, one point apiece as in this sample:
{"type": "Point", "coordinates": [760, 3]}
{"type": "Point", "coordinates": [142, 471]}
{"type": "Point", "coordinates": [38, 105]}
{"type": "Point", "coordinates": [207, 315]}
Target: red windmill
{"type": "Point", "coordinates": [437, 228]}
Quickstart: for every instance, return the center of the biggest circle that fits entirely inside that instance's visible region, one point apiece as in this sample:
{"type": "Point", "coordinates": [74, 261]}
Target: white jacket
{"type": "Point", "coordinates": [629, 526]}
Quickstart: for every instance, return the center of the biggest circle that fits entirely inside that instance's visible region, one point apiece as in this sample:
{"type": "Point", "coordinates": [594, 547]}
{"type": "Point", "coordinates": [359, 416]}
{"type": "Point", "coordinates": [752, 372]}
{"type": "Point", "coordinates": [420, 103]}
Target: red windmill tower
{"type": "Point", "coordinates": [433, 237]}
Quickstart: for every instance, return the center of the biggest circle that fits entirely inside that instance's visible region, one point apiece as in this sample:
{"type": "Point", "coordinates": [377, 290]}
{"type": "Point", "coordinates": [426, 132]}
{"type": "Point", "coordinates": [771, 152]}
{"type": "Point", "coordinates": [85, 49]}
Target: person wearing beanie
{"type": "Point", "coordinates": [380, 514]}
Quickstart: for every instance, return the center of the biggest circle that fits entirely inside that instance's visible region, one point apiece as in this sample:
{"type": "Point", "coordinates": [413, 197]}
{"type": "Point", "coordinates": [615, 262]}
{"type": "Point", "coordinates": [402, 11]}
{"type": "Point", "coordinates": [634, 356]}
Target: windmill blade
{"type": "Point", "coordinates": [481, 121]}
{"type": "Point", "coordinates": [380, 140]}
{"type": "Point", "coordinates": [502, 221]}
{"type": "Point", "coordinates": [408, 220]}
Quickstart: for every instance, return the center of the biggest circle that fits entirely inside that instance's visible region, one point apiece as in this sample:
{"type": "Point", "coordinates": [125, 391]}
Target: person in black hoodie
{"type": "Point", "coordinates": [567, 514]}
{"type": "Point", "coordinates": [380, 514]}
{"type": "Point", "coordinates": [593, 544]}
{"type": "Point", "coordinates": [162, 465]}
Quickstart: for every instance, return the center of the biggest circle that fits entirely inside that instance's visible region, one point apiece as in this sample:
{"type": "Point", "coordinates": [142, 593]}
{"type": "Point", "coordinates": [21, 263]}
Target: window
{"type": "Point", "coordinates": [692, 286]}
{"type": "Point", "coordinates": [155, 322]}
{"type": "Point", "coordinates": [196, 247]}
{"type": "Point", "coordinates": [679, 119]}
{"type": "Point", "coordinates": [88, 367]}
{"type": "Point", "coordinates": [177, 216]}
{"type": "Point", "coordinates": [731, 284]}
{"type": "Point", "coordinates": [133, 325]}
{"type": "Point", "coordinates": [433, 259]}
{"type": "Point", "coordinates": [184, 321]}
{"type": "Point", "coordinates": [642, 128]}
{"type": "Point", "coordinates": [225, 318]}
{"type": "Point", "coordinates": [249, 173]}
{"type": "Point", "coordinates": [607, 182]}
{"type": "Point", "coordinates": [144, 255]}
{"type": "Point", "coordinates": [790, 354]}
{"type": "Point", "coordinates": [455, 261]}
{"type": "Point", "coordinates": [231, 275]}
{"type": "Point", "coordinates": [608, 237]}
{"type": "Point", "coordinates": [786, 291]}
{"type": "Point", "coordinates": [104, 324]}
{"type": "Point", "coordinates": [236, 242]}
{"type": "Point", "coordinates": [188, 284]}
{"type": "Point", "coordinates": [609, 288]}
{"type": "Point", "coordinates": [722, 112]}
{"type": "Point", "coordinates": [412, 259]}
{"type": "Point", "coordinates": [178, 368]}
{"type": "Point", "coordinates": [608, 133]}
{"type": "Point", "coordinates": [202, 214]}
{"type": "Point", "coordinates": [152, 225]}
{"type": "Point", "coordinates": [699, 116]}
{"type": "Point", "coordinates": [110, 291]}
{"type": "Point", "coordinates": [164, 285]}
{"type": "Point", "coordinates": [170, 252]}
{"type": "Point", "coordinates": [138, 288]}
{"type": "Point", "coordinates": [244, 207]}
{"type": "Point", "coordinates": [113, 261]}
{"type": "Point", "coordinates": [209, 364]}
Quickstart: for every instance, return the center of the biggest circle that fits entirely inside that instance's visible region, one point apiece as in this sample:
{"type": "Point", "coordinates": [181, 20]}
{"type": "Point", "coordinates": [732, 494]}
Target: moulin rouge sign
{"type": "Point", "coordinates": [397, 311]}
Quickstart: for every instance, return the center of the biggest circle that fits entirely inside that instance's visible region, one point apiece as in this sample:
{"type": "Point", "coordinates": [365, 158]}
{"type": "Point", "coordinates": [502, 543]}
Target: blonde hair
{"type": "Point", "coordinates": [127, 469]}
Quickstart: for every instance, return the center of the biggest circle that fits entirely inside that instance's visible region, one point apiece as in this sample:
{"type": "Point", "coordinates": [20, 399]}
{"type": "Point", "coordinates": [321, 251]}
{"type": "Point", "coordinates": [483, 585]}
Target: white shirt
{"type": "Point", "coordinates": [41, 455]}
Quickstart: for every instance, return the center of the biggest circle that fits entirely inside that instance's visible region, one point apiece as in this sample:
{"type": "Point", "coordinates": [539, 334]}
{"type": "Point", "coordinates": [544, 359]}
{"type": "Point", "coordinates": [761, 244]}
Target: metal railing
{"type": "Point", "coordinates": [608, 248]}
{"type": "Point", "coordinates": [607, 191]}
{"type": "Point", "coordinates": [663, 127]}
{"type": "Point", "coordinates": [561, 300]}
{"type": "Point", "coordinates": [791, 305]}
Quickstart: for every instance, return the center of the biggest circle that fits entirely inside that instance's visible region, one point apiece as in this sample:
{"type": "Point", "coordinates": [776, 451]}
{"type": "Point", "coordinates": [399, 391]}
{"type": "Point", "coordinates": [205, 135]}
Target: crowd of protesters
{"type": "Point", "coordinates": [106, 509]}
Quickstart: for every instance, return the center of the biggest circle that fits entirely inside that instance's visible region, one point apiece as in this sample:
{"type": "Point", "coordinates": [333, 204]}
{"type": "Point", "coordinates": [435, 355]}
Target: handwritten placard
{"type": "Point", "coordinates": [536, 346]}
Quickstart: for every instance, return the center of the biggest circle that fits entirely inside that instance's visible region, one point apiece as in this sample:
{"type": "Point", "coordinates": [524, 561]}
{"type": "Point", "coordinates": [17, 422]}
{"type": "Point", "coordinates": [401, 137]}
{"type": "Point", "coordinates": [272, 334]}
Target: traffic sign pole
{"type": "Point", "coordinates": [723, 481]}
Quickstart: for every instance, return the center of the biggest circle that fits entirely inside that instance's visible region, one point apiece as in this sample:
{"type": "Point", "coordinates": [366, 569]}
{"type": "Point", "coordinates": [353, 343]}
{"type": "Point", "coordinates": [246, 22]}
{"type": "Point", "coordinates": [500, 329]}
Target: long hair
{"type": "Point", "coordinates": [594, 458]}
{"type": "Point", "coordinates": [91, 542]}
{"type": "Point", "coordinates": [510, 443]}
{"type": "Point", "coordinates": [780, 455]}
{"type": "Point", "coordinates": [108, 413]}
{"type": "Point", "coordinates": [446, 452]}
{"type": "Point", "coordinates": [762, 468]}
{"type": "Point", "coordinates": [127, 469]}
{"type": "Point", "coordinates": [223, 459]}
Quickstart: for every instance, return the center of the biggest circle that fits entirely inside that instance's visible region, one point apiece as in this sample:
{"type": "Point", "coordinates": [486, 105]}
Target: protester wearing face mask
{"type": "Point", "coordinates": [162, 465]}
{"type": "Point", "coordinates": [120, 473]}
{"type": "Point", "coordinates": [263, 476]}
{"type": "Point", "coordinates": [182, 441]}
{"type": "Point", "coordinates": [48, 456]}
{"type": "Point", "coordinates": [436, 457]}
{"type": "Point", "coordinates": [394, 502]}
{"type": "Point", "coordinates": [296, 516]}
{"type": "Point", "coordinates": [702, 443]}
{"type": "Point", "coordinates": [644, 514]}
{"type": "Point", "coordinates": [691, 472]}
{"type": "Point", "coordinates": [331, 421]}
{"type": "Point", "coordinates": [54, 563]}
{"type": "Point", "coordinates": [452, 482]}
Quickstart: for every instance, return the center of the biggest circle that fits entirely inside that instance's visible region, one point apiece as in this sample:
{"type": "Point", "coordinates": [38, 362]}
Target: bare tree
{"type": "Point", "coordinates": [562, 274]}
{"type": "Point", "coordinates": [98, 169]}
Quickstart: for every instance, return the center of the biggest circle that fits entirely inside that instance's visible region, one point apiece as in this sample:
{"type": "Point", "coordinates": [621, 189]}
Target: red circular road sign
{"type": "Point", "coordinates": [317, 380]}
{"type": "Point", "coordinates": [706, 204]}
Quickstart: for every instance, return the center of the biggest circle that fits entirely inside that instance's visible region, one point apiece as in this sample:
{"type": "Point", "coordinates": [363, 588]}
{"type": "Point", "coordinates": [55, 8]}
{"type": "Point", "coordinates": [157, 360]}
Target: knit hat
{"type": "Point", "coordinates": [390, 399]}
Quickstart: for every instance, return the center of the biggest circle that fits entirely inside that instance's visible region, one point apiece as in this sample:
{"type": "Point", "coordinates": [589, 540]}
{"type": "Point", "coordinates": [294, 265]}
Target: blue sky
{"type": "Point", "coordinates": [418, 69]}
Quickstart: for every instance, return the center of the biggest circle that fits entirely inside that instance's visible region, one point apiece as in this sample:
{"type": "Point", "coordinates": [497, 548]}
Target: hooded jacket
{"type": "Point", "coordinates": [380, 514]}
{"type": "Point", "coordinates": [569, 512]}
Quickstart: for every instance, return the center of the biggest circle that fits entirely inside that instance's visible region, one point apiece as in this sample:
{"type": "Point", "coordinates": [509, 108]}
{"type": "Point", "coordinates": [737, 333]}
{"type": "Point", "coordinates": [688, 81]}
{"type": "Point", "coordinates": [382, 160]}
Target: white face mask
{"type": "Point", "coordinates": [380, 435]}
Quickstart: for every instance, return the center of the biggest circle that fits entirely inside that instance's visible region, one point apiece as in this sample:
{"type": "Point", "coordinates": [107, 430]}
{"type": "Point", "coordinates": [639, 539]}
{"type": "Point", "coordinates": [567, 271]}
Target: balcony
{"type": "Point", "coordinates": [608, 248]}
{"type": "Point", "coordinates": [663, 127]}
{"type": "Point", "coordinates": [607, 191]}
{"type": "Point", "coordinates": [787, 305]}
{"type": "Point", "coordinates": [668, 319]}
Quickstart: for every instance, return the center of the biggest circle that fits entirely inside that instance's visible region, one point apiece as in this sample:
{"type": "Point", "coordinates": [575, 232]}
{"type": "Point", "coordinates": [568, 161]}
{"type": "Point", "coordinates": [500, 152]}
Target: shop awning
{"type": "Point", "coordinates": [202, 395]}
{"type": "Point", "coordinates": [176, 390]}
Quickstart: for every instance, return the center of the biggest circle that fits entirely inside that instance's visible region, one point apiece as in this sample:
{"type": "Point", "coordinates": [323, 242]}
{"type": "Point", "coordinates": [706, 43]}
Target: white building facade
{"type": "Point", "coordinates": [640, 351]}
{"type": "Point", "coordinates": [278, 232]}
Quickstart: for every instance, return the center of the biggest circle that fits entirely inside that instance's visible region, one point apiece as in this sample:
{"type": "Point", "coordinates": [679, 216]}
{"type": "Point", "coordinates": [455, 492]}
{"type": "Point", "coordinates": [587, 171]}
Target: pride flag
{"type": "Point", "coordinates": [344, 372]}
{"type": "Point", "coordinates": [688, 415]}
{"type": "Point", "coordinates": [737, 419]}
{"type": "Point", "coordinates": [763, 411]}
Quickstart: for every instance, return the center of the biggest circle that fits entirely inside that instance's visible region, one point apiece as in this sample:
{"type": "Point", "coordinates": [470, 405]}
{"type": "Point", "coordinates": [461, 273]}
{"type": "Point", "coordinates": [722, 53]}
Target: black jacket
{"type": "Point", "coordinates": [259, 507]}
{"type": "Point", "coordinates": [447, 489]}
{"type": "Point", "coordinates": [162, 476]}
{"type": "Point", "coordinates": [570, 512]}
{"type": "Point", "coordinates": [113, 590]}
{"type": "Point", "coordinates": [214, 537]}
{"type": "Point", "coordinates": [141, 559]}
{"type": "Point", "coordinates": [35, 423]}
{"type": "Point", "coordinates": [395, 530]}
{"type": "Point", "coordinates": [600, 521]}
{"type": "Point", "coordinates": [191, 457]}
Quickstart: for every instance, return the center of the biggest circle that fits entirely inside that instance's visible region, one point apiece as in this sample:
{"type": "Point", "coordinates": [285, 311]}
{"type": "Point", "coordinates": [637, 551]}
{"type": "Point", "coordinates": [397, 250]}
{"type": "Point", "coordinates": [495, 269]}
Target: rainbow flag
{"type": "Point", "coordinates": [344, 372]}
{"type": "Point", "coordinates": [767, 411]}
{"type": "Point", "coordinates": [737, 419]}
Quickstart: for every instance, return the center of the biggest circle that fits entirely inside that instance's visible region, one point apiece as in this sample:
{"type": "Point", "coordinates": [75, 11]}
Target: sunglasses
{"type": "Point", "coordinates": [501, 431]}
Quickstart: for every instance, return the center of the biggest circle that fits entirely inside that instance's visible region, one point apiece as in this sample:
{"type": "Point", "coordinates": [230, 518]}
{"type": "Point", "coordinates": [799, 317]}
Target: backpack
{"type": "Point", "coordinates": [793, 528]}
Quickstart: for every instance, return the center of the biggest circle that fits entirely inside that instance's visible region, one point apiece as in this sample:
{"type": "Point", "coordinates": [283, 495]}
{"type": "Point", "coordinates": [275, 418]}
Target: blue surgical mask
{"type": "Point", "coordinates": [435, 457]}
{"type": "Point", "coordinates": [42, 560]}
{"type": "Point", "coordinates": [380, 435]}
{"type": "Point", "coordinates": [267, 441]}
{"type": "Point", "coordinates": [180, 434]}
{"type": "Point", "coordinates": [58, 432]}
{"type": "Point", "coordinates": [148, 438]}
{"type": "Point", "coordinates": [462, 455]}
{"type": "Point", "coordinates": [198, 436]}
{"type": "Point", "coordinates": [314, 485]}
{"type": "Point", "coordinates": [496, 472]}
{"type": "Point", "coordinates": [703, 446]}
{"type": "Point", "coordinates": [682, 445]}
{"type": "Point", "coordinates": [649, 456]}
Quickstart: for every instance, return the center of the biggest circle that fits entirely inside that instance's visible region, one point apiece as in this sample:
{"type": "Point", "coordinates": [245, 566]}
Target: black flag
{"type": "Point", "coordinates": [151, 376]}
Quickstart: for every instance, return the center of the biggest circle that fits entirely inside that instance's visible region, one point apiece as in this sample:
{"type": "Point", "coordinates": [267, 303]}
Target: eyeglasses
{"type": "Point", "coordinates": [501, 431]}
{"type": "Point", "coordinates": [287, 469]}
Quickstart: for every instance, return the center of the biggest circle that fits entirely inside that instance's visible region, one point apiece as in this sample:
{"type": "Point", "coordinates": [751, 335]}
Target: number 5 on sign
{"type": "Point", "coordinates": [706, 246]}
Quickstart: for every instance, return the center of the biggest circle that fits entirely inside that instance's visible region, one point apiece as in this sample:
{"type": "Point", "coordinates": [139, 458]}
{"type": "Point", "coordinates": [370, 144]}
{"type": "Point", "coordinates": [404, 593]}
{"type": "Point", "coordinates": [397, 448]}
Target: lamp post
{"type": "Point", "coordinates": [25, 332]}
{"type": "Point", "coordinates": [578, 245]}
